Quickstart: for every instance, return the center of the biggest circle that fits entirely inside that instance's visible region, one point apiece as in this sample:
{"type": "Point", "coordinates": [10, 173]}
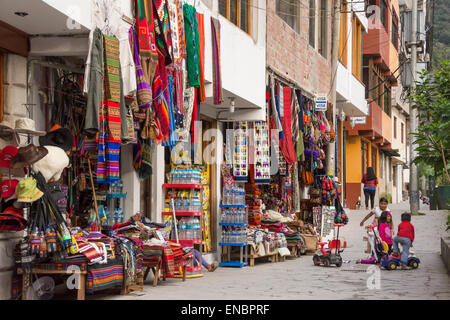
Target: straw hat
{"type": "Point", "coordinates": [27, 126]}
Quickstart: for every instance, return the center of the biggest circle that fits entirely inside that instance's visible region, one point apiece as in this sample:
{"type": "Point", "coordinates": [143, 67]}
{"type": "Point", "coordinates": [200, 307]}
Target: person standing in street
{"type": "Point", "coordinates": [370, 187]}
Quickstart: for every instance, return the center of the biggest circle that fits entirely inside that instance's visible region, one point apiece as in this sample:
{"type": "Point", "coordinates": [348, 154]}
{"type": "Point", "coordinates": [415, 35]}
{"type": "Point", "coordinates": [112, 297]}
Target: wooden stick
{"type": "Point", "coordinates": [93, 190]}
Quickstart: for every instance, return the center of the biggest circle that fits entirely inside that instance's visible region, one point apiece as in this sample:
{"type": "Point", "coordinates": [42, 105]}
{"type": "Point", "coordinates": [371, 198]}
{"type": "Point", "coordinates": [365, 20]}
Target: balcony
{"type": "Point", "coordinates": [378, 127]}
{"type": "Point", "coordinates": [376, 43]}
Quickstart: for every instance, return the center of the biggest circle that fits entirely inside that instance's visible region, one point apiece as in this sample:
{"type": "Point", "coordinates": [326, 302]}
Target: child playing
{"type": "Point", "coordinates": [384, 228]}
{"type": "Point", "coordinates": [383, 206]}
{"type": "Point", "coordinates": [405, 236]}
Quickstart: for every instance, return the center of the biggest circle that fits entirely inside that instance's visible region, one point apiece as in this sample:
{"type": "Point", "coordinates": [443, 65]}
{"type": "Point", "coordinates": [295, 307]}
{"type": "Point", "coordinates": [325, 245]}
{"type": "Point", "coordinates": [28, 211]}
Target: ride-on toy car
{"type": "Point", "coordinates": [391, 262]}
{"type": "Point", "coordinates": [326, 256]}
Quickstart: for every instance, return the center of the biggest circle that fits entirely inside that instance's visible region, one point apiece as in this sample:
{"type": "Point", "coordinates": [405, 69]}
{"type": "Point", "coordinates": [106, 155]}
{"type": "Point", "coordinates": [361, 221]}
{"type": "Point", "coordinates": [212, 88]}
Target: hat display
{"type": "Point", "coordinates": [28, 155]}
{"type": "Point", "coordinates": [58, 137]}
{"type": "Point", "coordinates": [27, 190]}
{"type": "Point", "coordinates": [8, 133]}
{"type": "Point", "coordinates": [12, 219]}
{"type": "Point", "coordinates": [27, 126]}
{"type": "Point", "coordinates": [8, 188]}
{"type": "Point", "coordinates": [6, 154]}
{"type": "Point", "coordinates": [53, 164]}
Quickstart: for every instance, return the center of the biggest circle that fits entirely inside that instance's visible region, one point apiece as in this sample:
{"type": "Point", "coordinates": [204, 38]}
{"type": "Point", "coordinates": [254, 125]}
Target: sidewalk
{"type": "Point", "coordinates": [300, 279]}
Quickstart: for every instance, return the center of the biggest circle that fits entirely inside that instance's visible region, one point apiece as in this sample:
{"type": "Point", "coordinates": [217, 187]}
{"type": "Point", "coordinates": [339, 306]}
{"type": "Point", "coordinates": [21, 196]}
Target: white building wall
{"type": "Point", "coordinates": [351, 91]}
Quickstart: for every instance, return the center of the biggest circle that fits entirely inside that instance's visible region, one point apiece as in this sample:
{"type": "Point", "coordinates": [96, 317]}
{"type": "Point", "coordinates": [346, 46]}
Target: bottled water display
{"type": "Point", "coordinates": [189, 228]}
{"type": "Point", "coordinates": [234, 235]}
{"type": "Point", "coordinates": [185, 176]}
{"type": "Point", "coordinates": [233, 195]}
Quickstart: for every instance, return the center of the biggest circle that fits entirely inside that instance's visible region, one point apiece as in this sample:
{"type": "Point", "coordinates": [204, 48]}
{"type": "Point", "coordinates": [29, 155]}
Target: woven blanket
{"type": "Point", "coordinates": [112, 65]}
{"type": "Point", "coordinates": [105, 276]}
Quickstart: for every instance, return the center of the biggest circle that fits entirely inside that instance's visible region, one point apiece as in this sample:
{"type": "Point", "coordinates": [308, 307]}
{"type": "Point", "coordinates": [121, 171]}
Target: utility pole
{"type": "Point", "coordinates": [331, 149]}
{"type": "Point", "coordinates": [413, 176]}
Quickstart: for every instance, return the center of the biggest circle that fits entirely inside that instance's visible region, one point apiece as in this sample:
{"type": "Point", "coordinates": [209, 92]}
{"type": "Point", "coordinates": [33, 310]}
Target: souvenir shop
{"type": "Point", "coordinates": [277, 198]}
{"type": "Point", "coordinates": [64, 187]}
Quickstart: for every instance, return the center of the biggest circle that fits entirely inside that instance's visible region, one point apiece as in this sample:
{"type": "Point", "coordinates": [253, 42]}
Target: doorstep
{"type": "Point", "coordinates": [445, 252]}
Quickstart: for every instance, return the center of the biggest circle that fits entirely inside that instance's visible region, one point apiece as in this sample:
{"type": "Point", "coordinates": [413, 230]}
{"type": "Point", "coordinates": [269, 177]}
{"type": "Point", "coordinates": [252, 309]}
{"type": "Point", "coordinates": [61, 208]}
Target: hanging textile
{"type": "Point", "coordinates": [173, 7]}
{"type": "Point", "coordinates": [172, 138]}
{"type": "Point", "coordinates": [144, 91]}
{"type": "Point", "coordinates": [94, 89]}
{"type": "Point", "coordinates": [162, 30]}
{"type": "Point", "coordinates": [181, 32]}
{"type": "Point", "coordinates": [286, 144]}
{"type": "Point", "coordinates": [274, 112]}
{"type": "Point", "coordinates": [146, 29]}
{"type": "Point", "coordinates": [161, 105]}
{"type": "Point", "coordinates": [217, 76]}
{"type": "Point", "coordinates": [192, 44]}
{"type": "Point", "coordinates": [201, 31]}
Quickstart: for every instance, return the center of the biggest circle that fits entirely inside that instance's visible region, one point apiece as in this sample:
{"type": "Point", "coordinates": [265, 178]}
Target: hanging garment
{"type": "Point", "coordinates": [217, 73]}
{"type": "Point", "coordinates": [201, 32]}
{"type": "Point", "coordinates": [107, 16]}
{"type": "Point", "coordinates": [172, 138]}
{"type": "Point", "coordinates": [161, 105]}
{"type": "Point", "coordinates": [300, 147]}
{"type": "Point", "coordinates": [301, 124]}
{"type": "Point", "coordinates": [274, 112]}
{"type": "Point", "coordinates": [112, 81]}
{"type": "Point", "coordinates": [162, 30]}
{"type": "Point", "coordinates": [144, 91]}
{"type": "Point", "coordinates": [146, 29]}
{"type": "Point", "coordinates": [192, 44]}
{"type": "Point", "coordinates": [95, 71]}
{"type": "Point", "coordinates": [174, 19]}
{"type": "Point", "coordinates": [181, 32]}
{"type": "Point", "coordinates": [286, 144]}
{"type": "Point", "coordinates": [101, 159]}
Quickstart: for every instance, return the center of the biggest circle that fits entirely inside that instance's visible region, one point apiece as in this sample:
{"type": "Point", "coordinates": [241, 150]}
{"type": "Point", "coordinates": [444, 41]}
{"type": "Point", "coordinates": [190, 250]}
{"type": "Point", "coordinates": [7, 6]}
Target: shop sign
{"type": "Point", "coordinates": [358, 120]}
{"type": "Point", "coordinates": [321, 103]}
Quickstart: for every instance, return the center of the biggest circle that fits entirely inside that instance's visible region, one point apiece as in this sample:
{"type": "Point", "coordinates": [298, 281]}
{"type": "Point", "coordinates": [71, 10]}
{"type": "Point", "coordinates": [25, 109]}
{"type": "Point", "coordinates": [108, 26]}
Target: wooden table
{"type": "Point", "coordinates": [155, 267]}
{"type": "Point", "coordinates": [26, 280]}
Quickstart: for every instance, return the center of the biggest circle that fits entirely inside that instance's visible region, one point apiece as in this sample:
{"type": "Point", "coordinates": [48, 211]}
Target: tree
{"type": "Point", "coordinates": [431, 98]}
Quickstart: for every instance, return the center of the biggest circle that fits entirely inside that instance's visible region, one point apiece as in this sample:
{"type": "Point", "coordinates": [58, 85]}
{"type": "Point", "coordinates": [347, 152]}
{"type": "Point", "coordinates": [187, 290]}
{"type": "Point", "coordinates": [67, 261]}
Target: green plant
{"type": "Point", "coordinates": [431, 99]}
{"type": "Point", "coordinates": [387, 196]}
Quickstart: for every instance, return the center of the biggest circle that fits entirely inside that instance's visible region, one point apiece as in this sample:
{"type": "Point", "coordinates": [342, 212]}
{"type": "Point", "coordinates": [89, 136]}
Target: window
{"type": "Point", "coordinates": [402, 128]}
{"type": "Point", "coordinates": [289, 11]}
{"type": "Point", "coordinates": [387, 100]}
{"type": "Point", "coordinates": [395, 127]}
{"type": "Point", "coordinates": [343, 25]}
{"type": "Point", "coordinates": [238, 12]}
{"type": "Point", "coordinates": [383, 8]}
{"type": "Point", "coordinates": [318, 19]}
{"type": "Point", "coordinates": [356, 48]}
{"type": "Point", "coordinates": [365, 68]}
{"type": "Point", "coordinates": [365, 156]}
{"type": "Point", "coordinates": [323, 41]}
{"type": "Point", "coordinates": [394, 36]}
{"type": "Point", "coordinates": [312, 23]}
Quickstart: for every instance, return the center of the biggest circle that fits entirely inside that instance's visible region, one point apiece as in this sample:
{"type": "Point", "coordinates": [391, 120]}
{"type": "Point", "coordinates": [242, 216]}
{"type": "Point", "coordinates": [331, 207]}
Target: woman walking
{"type": "Point", "coordinates": [370, 187]}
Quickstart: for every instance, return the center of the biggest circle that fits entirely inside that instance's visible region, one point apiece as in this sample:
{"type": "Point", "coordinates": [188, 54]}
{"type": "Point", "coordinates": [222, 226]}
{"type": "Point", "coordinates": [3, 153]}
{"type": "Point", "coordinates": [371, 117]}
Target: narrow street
{"type": "Point", "coordinates": [299, 279]}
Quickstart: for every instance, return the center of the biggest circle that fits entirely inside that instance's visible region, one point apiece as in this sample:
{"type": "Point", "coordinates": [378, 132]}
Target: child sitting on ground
{"type": "Point", "coordinates": [384, 228]}
{"type": "Point", "coordinates": [405, 236]}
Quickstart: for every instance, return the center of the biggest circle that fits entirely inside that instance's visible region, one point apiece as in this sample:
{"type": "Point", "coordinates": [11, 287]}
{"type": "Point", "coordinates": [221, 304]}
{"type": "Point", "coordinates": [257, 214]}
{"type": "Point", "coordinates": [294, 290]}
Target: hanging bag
{"type": "Point", "coordinates": [144, 91]}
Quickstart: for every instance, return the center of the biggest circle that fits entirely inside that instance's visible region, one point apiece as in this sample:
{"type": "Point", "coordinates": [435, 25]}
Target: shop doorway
{"type": "Point", "coordinates": [146, 198]}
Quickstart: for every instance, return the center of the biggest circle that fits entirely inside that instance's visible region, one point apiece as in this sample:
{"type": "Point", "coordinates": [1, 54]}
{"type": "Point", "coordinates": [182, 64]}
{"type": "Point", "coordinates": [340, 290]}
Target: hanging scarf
{"type": "Point", "coordinates": [178, 46]}
{"type": "Point", "coordinates": [217, 76]}
{"type": "Point", "coordinates": [161, 104]}
{"type": "Point", "coordinates": [172, 139]}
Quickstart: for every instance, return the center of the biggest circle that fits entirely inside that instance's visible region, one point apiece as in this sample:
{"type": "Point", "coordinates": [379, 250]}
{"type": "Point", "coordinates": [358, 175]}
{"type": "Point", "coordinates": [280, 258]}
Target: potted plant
{"type": "Point", "coordinates": [431, 99]}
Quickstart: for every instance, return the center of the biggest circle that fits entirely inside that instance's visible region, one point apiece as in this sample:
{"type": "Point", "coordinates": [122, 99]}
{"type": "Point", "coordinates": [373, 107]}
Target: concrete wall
{"type": "Point", "coordinates": [15, 96]}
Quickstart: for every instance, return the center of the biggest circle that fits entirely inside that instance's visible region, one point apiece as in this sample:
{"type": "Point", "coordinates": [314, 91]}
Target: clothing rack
{"type": "Point", "coordinates": [289, 81]}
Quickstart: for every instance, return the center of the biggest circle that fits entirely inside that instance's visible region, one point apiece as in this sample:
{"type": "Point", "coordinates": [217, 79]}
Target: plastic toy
{"type": "Point", "coordinates": [391, 262]}
{"type": "Point", "coordinates": [326, 256]}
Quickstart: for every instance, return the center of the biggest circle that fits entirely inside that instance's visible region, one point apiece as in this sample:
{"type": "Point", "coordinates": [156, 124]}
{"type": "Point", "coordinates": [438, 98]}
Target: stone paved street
{"type": "Point", "coordinates": [299, 279]}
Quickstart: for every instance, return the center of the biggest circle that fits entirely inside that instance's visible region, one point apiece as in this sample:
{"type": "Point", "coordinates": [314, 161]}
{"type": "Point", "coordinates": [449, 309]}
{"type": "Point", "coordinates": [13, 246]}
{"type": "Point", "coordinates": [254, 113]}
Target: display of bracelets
{"type": "Point", "coordinates": [240, 150]}
{"type": "Point", "coordinates": [262, 151]}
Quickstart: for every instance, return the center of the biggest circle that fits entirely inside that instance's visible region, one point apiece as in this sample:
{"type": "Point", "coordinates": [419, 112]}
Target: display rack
{"type": "Point", "coordinates": [180, 214]}
{"type": "Point", "coordinates": [242, 245]}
